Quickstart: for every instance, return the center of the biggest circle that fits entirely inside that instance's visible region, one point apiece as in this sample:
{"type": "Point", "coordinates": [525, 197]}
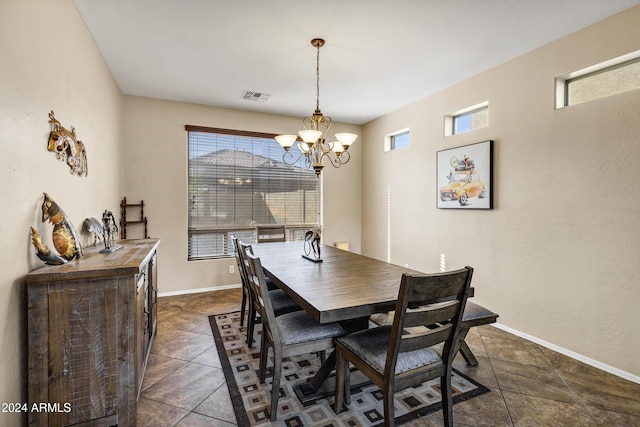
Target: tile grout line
{"type": "Point", "coordinates": [573, 393]}
{"type": "Point", "coordinates": [489, 358]}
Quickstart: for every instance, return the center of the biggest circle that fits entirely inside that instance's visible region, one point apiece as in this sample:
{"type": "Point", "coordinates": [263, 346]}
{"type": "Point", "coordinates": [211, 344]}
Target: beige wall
{"type": "Point", "coordinates": [155, 160]}
{"type": "Point", "coordinates": [49, 62]}
{"type": "Point", "coordinates": [557, 257]}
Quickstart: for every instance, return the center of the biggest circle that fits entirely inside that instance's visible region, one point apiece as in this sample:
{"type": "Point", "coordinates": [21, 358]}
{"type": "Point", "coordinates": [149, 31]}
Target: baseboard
{"type": "Point", "coordinates": [197, 291]}
{"type": "Point", "coordinates": [584, 359]}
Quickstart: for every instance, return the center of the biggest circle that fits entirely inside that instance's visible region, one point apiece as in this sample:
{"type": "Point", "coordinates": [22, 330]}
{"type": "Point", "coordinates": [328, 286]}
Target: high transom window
{"type": "Point", "coordinates": [396, 140]}
{"type": "Point", "coordinates": [468, 119]}
{"type": "Point", "coordinates": [612, 77]}
{"type": "Point", "coordinates": [237, 180]}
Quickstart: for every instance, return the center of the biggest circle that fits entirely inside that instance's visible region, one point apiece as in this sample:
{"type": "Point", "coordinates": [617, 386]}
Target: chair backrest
{"type": "Point", "coordinates": [257, 281]}
{"type": "Point", "coordinates": [428, 312]}
{"type": "Point", "coordinates": [240, 262]}
{"type": "Point", "coordinates": [270, 233]}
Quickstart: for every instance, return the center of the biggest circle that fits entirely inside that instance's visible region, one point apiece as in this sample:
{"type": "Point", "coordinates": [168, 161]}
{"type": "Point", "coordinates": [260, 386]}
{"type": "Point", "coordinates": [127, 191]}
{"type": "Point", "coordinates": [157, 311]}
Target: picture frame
{"type": "Point", "coordinates": [464, 177]}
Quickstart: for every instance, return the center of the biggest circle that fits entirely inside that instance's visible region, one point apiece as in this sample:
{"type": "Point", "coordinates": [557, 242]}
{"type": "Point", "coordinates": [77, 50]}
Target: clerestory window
{"type": "Point", "coordinates": [607, 78]}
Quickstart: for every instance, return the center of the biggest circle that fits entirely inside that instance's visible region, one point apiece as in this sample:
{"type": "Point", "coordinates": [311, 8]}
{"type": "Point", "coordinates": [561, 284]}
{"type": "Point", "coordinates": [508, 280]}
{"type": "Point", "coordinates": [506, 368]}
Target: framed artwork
{"type": "Point", "coordinates": [465, 177]}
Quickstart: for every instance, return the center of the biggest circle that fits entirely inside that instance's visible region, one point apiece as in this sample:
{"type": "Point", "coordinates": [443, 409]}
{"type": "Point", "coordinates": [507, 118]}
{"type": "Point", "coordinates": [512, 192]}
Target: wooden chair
{"type": "Point", "coordinates": [474, 315]}
{"type": "Point", "coordinates": [270, 233]}
{"type": "Point", "coordinates": [246, 292]}
{"type": "Point", "coordinates": [288, 334]}
{"type": "Point", "coordinates": [428, 312]}
{"type": "Point", "coordinates": [282, 303]}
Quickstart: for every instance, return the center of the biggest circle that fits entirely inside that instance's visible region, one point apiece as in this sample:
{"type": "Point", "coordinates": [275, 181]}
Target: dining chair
{"type": "Point", "coordinates": [394, 357]}
{"type": "Point", "coordinates": [282, 303]}
{"type": "Point", "coordinates": [288, 334]}
{"type": "Point", "coordinates": [246, 293]}
{"type": "Point", "coordinates": [473, 315]}
{"type": "Point", "coordinates": [270, 233]}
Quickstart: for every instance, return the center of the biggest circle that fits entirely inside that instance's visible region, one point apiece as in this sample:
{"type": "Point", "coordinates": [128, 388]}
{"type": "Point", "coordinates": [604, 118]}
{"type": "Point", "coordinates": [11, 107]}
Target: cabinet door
{"type": "Point", "coordinates": [83, 351]}
{"type": "Point", "coordinates": [142, 326]}
{"type": "Point", "coordinates": [153, 294]}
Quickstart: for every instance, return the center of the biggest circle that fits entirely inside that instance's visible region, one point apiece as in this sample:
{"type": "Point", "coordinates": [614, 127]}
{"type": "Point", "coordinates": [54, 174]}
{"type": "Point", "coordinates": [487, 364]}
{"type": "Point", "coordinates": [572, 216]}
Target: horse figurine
{"type": "Point", "coordinates": [312, 244]}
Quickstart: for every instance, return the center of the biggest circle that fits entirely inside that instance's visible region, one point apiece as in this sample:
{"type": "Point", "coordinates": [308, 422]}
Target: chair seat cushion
{"type": "Point", "coordinates": [270, 284]}
{"type": "Point", "coordinates": [371, 346]}
{"type": "Point", "coordinates": [299, 327]}
{"type": "Point", "coordinates": [282, 303]}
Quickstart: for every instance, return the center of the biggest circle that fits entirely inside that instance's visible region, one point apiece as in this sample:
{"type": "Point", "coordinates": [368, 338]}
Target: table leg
{"type": "Point", "coordinates": [323, 383]}
{"type": "Point", "coordinates": [467, 354]}
{"type": "Point", "coordinates": [320, 377]}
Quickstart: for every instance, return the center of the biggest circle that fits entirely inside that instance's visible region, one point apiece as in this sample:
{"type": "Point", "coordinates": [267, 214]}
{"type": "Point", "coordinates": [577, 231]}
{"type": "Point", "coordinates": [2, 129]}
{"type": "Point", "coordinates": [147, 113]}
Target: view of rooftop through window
{"type": "Point", "coordinates": [239, 181]}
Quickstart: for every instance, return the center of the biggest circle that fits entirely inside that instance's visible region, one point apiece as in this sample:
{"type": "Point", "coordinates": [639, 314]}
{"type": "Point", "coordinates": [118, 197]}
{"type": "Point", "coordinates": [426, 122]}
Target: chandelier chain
{"type": "Point", "coordinates": [318, 78]}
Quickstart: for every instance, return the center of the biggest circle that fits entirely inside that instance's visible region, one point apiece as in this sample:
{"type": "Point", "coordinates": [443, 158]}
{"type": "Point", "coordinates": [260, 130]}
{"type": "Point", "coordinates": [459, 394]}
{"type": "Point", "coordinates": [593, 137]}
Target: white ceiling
{"type": "Point", "coordinates": [379, 54]}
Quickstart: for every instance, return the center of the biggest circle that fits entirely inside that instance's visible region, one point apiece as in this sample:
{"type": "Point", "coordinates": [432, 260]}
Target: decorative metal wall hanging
{"type": "Point", "coordinates": [65, 238]}
{"type": "Point", "coordinates": [67, 147]}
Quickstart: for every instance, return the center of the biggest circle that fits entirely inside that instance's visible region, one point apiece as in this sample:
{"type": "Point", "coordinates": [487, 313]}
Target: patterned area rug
{"type": "Point", "coordinates": [251, 399]}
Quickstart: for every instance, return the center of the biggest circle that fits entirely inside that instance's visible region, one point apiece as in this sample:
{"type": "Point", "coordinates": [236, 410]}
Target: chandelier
{"type": "Point", "coordinates": [312, 144]}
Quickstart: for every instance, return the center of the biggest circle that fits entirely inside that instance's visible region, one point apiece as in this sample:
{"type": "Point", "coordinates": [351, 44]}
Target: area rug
{"type": "Point", "coordinates": [251, 399]}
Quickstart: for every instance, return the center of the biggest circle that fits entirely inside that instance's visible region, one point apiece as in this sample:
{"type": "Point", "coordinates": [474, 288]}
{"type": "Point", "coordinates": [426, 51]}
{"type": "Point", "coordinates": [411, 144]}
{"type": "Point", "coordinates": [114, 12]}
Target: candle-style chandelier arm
{"type": "Point", "coordinates": [290, 158]}
{"type": "Point", "coordinates": [337, 159]}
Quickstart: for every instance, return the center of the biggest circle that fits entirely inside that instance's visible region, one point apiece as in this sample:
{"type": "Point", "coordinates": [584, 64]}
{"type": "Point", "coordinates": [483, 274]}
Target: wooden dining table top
{"type": "Point", "coordinates": [344, 286]}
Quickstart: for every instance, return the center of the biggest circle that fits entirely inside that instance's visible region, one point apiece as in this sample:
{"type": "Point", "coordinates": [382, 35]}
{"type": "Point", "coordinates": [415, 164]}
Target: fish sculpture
{"type": "Point", "coordinates": [65, 237]}
{"type": "Point", "coordinates": [43, 252]}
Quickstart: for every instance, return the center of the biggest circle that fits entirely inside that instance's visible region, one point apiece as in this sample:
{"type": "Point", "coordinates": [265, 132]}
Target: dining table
{"type": "Point", "coordinates": [342, 287]}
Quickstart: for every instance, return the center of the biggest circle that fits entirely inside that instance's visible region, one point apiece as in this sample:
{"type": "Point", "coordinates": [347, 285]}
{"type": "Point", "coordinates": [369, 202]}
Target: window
{"type": "Point", "coordinates": [237, 180]}
{"type": "Point", "coordinates": [399, 139]}
{"type": "Point", "coordinates": [611, 77]}
{"type": "Point", "coordinates": [471, 118]}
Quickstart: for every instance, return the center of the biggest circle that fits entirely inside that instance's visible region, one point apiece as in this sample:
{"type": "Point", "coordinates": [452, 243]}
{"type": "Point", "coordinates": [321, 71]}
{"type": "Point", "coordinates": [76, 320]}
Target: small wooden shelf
{"type": "Point", "coordinates": [123, 217]}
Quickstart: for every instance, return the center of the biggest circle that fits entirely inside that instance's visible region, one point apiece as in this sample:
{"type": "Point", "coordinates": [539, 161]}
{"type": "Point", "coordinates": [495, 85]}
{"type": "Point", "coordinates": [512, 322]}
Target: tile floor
{"type": "Point", "coordinates": [530, 385]}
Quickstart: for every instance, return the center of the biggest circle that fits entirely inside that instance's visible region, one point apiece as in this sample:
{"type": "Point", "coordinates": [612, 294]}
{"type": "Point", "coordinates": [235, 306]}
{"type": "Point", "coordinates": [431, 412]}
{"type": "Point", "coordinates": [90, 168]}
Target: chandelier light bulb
{"type": "Point", "coordinates": [310, 136]}
{"type": "Point", "coordinates": [304, 147]}
{"type": "Point", "coordinates": [286, 141]}
{"type": "Point", "coordinates": [346, 139]}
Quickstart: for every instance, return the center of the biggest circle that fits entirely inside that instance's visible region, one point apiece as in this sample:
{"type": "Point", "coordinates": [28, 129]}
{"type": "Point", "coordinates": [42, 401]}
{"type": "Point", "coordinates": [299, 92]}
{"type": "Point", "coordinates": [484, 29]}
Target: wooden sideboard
{"type": "Point", "coordinates": [91, 323]}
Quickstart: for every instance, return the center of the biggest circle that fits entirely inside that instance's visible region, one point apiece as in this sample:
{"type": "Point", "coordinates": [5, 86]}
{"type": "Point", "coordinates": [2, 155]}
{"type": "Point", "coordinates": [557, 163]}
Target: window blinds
{"type": "Point", "coordinates": [236, 181]}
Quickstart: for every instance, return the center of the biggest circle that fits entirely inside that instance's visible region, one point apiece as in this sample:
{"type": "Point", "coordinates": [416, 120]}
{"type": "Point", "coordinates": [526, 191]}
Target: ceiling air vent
{"type": "Point", "coordinates": [250, 95]}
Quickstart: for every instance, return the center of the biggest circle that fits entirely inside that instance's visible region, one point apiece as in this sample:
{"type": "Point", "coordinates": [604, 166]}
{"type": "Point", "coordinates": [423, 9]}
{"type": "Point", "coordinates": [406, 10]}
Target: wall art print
{"type": "Point", "coordinates": [465, 177]}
